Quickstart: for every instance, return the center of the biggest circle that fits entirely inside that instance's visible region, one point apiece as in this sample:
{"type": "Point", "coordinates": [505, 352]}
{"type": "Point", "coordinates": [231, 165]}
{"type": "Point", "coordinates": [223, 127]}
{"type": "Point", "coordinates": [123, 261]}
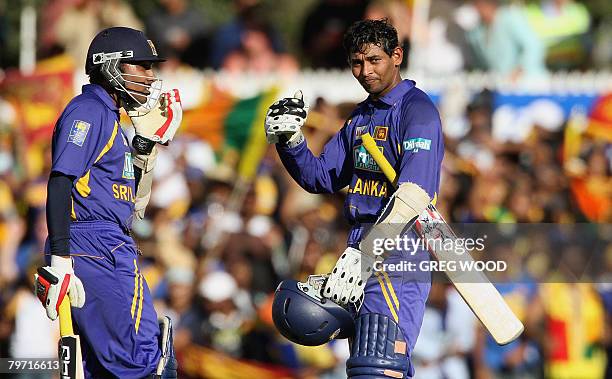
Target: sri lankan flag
{"type": "Point", "coordinates": [232, 126]}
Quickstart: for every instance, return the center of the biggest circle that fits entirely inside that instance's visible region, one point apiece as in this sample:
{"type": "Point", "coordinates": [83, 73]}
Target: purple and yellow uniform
{"type": "Point", "coordinates": [118, 324]}
{"type": "Point", "coordinates": [406, 127]}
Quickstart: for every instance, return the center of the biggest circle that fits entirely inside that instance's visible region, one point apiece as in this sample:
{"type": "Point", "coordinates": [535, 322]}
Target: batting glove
{"type": "Point", "coordinates": [347, 280]}
{"type": "Point", "coordinates": [161, 123]}
{"type": "Point", "coordinates": [285, 119]}
{"type": "Point", "coordinates": [53, 283]}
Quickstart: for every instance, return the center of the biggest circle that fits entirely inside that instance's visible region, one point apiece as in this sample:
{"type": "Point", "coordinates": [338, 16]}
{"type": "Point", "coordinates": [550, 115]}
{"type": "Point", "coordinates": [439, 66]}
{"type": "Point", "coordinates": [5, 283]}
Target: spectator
{"type": "Point", "coordinates": [256, 54]}
{"type": "Point", "coordinates": [572, 341]}
{"type": "Point", "coordinates": [447, 336]}
{"type": "Point", "coordinates": [180, 32]}
{"type": "Point", "coordinates": [436, 46]}
{"type": "Point", "coordinates": [77, 26]}
{"type": "Point", "coordinates": [249, 32]}
{"type": "Point", "coordinates": [181, 307]}
{"type": "Point", "coordinates": [323, 30]}
{"type": "Point", "coordinates": [399, 14]}
{"type": "Point", "coordinates": [563, 27]}
{"type": "Point", "coordinates": [503, 42]}
{"type": "Point", "coordinates": [34, 335]}
{"type": "Point", "coordinates": [222, 326]}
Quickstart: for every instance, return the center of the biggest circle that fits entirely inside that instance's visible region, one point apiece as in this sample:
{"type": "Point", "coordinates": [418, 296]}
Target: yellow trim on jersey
{"type": "Point", "coordinates": [386, 296]}
{"type": "Point", "coordinates": [391, 290]}
{"type": "Point", "coordinates": [139, 304]}
{"type": "Point", "coordinates": [82, 185]}
{"type": "Point", "coordinates": [110, 143]}
{"type": "Point", "coordinates": [135, 288]}
{"type": "Point", "coordinates": [72, 213]}
{"type": "Point", "coordinates": [435, 199]}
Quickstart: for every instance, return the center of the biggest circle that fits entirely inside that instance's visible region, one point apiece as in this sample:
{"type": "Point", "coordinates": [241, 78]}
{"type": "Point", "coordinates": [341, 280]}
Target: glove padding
{"type": "Point", "coordinates": [54, 282]}
{"type": "Point", "coordinates": [160, 123]}
{"type": "Point", "coordinates": [347, 280]}
{"type": "Point", "coordinates": [286, 118]}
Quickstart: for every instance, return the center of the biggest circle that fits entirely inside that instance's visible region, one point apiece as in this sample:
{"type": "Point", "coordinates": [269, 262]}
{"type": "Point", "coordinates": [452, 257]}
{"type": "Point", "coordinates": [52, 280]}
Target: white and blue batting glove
{"type": "Point", "coordinates": [347, 281]}
{"type": "Point", "coordinates": [285, 119]}
{"type": "Point", "coordinates": [53, 283]}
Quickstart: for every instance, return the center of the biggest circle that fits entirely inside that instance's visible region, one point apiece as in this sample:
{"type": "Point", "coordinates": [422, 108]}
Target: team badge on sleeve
{"type": "Point", "coordinates": [78, 132]}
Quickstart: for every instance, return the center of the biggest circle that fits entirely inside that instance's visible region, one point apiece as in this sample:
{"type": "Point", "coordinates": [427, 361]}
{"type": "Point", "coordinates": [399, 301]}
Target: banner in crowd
{"type": "Point", "coordinates": [200, 362]}
{"type": "Point", "coordinates": [39, 98]}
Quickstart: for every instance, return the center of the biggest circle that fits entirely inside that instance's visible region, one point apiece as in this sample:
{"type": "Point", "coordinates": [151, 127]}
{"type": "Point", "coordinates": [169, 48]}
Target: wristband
{"type": "Point", "coordinates": [142, 145]}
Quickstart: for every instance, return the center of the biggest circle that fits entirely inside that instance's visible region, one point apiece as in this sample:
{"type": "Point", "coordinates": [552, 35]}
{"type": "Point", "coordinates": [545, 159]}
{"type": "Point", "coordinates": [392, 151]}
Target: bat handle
{"type": "Point", "coordinates": [65, 318]}
{"type": "Point", "coordinates": [379, 158]}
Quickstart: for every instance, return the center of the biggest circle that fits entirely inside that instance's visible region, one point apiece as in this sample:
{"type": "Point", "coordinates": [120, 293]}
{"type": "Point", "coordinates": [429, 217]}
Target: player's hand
{"type": "Point", "coordinates": [53, 283]}
{"type": "Point", "coordinates": [160, 123]}
{"type": "Point", "coordinates": [347, 280]}
{"type": "Point", "coordinates": [285, 119]}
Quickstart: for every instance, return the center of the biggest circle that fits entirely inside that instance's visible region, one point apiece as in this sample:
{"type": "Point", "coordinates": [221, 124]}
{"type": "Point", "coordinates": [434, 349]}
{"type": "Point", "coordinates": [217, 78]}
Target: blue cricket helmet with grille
{"type": "Point", "coordinates": [303, 316]}
{"type": "Point", "coordinates": [116, 45]}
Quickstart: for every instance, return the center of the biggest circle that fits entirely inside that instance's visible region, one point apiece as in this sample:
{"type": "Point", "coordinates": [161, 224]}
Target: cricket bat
{"type": "Point", "coordinates": [69, 347]}
{"type": "Point", "coordinates": [474, 287]}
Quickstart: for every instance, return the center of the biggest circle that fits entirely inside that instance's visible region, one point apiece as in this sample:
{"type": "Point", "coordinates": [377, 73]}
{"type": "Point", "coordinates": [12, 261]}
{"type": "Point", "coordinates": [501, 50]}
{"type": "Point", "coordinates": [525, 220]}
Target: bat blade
{"type": "Point", "coordinates": [474, 287]}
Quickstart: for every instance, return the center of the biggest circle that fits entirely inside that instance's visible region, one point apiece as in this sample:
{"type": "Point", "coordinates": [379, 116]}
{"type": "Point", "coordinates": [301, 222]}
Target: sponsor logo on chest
{"type": "Point", "coordinates": [363, 160]}
{"type": "Point", "coordinates": [128, 166]}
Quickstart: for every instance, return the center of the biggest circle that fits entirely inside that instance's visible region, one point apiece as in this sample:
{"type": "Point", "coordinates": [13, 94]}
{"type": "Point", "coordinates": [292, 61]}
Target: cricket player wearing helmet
{"type": "Point", "coordinates": [97, 185]}
{"type": "Point", "coordinates": [407, 129]}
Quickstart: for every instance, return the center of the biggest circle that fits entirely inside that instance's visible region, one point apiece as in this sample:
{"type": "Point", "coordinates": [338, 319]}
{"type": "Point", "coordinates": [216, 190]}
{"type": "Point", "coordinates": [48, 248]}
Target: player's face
{"type": "Point", "coordinates": [139, 76]}
{"type": "Point", "coordinates": [376, 71]}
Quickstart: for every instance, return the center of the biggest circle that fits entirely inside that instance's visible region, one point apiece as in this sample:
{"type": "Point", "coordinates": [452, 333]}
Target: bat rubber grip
{"type": "Point", "coordinates": [379, 158]}
{"type": "Point", "coordinates": [65, 318]}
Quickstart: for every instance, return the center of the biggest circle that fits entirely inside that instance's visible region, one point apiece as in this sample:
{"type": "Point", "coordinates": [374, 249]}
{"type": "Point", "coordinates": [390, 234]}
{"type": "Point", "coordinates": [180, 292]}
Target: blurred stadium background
{"type": "Point", "coordinates": [525, 93]}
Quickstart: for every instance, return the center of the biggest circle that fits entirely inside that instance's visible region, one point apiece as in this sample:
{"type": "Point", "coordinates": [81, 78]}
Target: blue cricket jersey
{"type": "Point", "coordinates": [406, 127]}
{"type": "Point", "coordinates": [89, 144]}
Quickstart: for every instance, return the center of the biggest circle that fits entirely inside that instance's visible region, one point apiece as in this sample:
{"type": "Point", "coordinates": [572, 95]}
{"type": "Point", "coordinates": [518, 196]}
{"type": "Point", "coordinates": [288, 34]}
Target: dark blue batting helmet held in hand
{"type": "Point", "coordinates": [304, 317]}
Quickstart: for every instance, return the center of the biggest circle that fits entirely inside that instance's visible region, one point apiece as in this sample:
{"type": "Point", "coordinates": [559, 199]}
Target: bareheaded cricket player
{"type": "Point", "coordinates": [99, 182]}
{"type": "Point", "coordinates": [407, 129]}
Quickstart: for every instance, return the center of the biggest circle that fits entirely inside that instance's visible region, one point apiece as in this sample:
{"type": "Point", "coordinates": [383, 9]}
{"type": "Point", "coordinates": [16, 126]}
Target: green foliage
{"type": "Point", "coordinates": [600, 9]}
{"type": "Point", "coordinates": [214, 11]}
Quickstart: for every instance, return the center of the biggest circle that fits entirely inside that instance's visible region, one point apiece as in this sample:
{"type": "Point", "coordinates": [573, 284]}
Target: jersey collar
{"type": "Point", "coordinates": [396, 93]}
{"type": "Point", "coordinates": [102, 95]}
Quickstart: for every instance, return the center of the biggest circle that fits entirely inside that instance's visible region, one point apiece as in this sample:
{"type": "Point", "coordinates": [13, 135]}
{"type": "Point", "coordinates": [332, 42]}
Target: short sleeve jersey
{"type": "Point", "coordinates": [406, 127]}
{"type": "Point", "coordinates": [89, 144]}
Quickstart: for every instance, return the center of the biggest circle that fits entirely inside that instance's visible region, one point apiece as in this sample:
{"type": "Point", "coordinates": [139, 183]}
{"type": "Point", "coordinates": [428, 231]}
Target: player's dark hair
{"type": "Point", "coordinates": [376, 32]}
{"type": "Point", "coordinates": [96, 77]}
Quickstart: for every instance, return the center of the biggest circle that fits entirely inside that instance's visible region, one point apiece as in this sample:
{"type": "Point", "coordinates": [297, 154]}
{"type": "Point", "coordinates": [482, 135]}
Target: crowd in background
{"type": "Point", "coordinates": [215, 245]}
{"type": "Point", "coordinates": [509, 37]}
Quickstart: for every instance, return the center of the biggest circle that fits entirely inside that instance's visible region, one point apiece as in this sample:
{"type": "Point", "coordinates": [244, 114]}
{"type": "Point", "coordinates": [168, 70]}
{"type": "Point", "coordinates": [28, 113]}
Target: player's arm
{"type": "Point", "coordinates": [76, 144]}
{"type": "Point", "coordinates": [157, 126]}
{"type": "Point", "coordinates": [421, 147]}
{"type": "Point", "coordinates": [329, 172]}
{"type": "Point", "coordinates": [58, 210]}
{"type": "Point", "coordinates": [52, 292]}
{"type": "Point", "coordinates": [144, 163]}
